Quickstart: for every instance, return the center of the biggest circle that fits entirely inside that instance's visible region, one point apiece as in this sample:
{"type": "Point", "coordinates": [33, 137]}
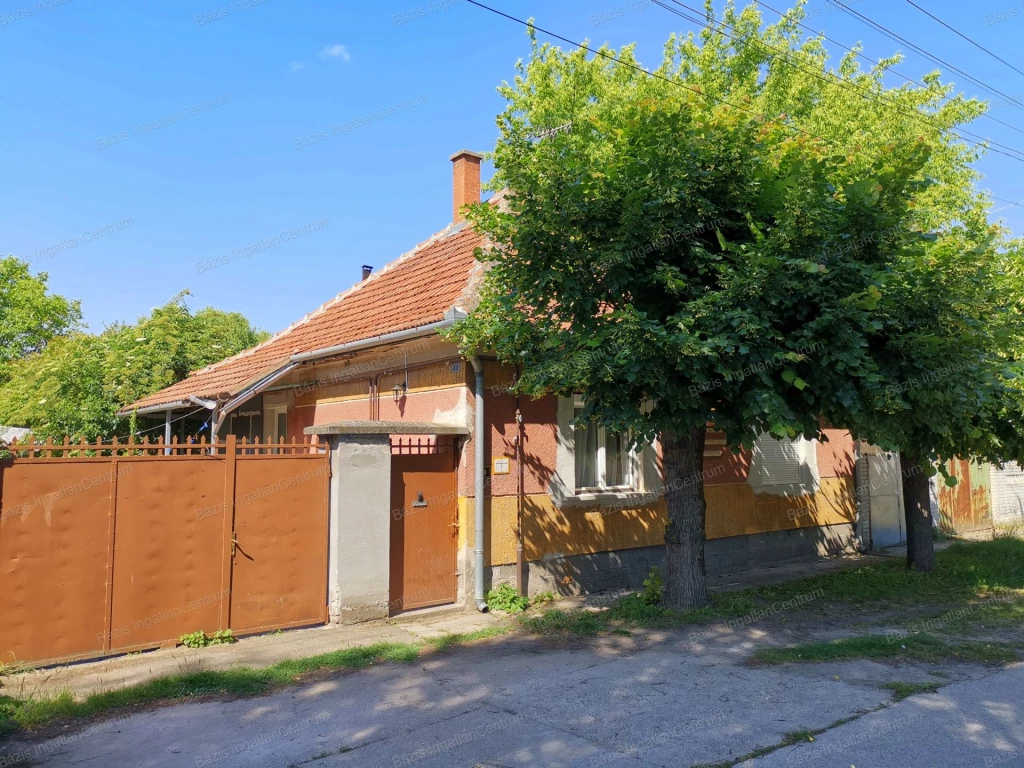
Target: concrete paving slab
{"type": "Point", "coordinates": [261, 651]}
{"type": "Point", "coordinates": [656, 701]}
{"type": "Point", "coordinates": [487, 737]}
{"type": "Point", "coordinates": [972, 723]}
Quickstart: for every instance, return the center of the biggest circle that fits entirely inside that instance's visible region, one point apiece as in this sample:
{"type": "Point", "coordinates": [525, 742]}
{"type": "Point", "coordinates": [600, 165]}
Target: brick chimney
{"type": "Point", "coordinates": [466, 181]}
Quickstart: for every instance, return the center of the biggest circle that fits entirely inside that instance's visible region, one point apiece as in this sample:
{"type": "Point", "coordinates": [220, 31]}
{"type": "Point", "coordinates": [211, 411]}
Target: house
{"type": "Point", "coordinates": [9, 435]}
{"type": "Point", "coordinates": [1007, 488]}
{"type": "Point", "coordinates": [422, 437]}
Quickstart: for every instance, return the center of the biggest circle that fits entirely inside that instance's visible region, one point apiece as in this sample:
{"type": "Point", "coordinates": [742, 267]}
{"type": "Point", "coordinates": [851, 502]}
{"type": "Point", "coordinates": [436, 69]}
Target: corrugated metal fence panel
{"type": "Point", "coordinates": [54, 536]}
{"type": "Point", "coordinates": [167, 551]}
{"type": "Point", "coordinates": [280, 562]}
{"type": "Point", "coordinates": [967, 506]}
{"type": "Point", "coordinates": [105, 549]}
{"type": "Point", "coordinates": [1008, 494]}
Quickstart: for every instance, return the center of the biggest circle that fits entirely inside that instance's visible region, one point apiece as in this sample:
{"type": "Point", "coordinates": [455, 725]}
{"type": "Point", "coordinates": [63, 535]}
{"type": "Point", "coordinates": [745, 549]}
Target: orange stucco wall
{"type": "Point", "coordinates": [734, 508]}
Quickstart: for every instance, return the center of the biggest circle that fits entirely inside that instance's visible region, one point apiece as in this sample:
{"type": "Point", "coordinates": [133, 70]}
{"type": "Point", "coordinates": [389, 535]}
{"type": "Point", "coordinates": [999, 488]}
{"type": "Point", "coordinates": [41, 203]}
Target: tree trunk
{"type": "Point", "coordinates": [685, 580]}
{"type": "Point", "coordinates": [918, 510]}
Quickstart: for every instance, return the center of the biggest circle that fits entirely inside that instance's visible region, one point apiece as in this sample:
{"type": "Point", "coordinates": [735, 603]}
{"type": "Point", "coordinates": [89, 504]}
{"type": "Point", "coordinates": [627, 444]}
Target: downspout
{"type": "Point", "coordinates": [478, 476]}
{"type": "Point", "coordinates": [520, 489]}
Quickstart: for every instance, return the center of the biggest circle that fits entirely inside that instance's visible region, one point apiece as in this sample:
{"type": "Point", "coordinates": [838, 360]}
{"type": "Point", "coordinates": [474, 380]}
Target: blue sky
{"type": "Point", "coordinates": [84, 86]}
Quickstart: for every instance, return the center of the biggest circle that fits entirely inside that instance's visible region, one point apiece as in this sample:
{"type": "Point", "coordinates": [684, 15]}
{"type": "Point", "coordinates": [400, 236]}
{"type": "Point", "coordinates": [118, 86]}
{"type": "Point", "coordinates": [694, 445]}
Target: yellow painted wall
{"type": "Point", "coordinates": [733, 510]}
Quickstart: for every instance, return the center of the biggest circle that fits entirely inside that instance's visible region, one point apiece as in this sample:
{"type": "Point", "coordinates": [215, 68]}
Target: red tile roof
{"type": "Point", "coordinates": [416, 289]}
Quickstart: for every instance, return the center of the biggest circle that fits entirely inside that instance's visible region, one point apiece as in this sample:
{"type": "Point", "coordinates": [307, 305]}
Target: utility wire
{"type": "Point", "coordinates": [1019, 203]}
{"type": "Point", "coordinates": [846, 85]}
{"type": "Point", "coordinates": [637, 68]}
{"type": "Point", "coordinates": [965, 37]}
{"type": "Point", "coordinates": [588, 49]}
{"type": "Point", "coordinates": [872, 61]}
{"type": "Point", "coordinates": [161, 426]}
{"type": "Point", "coordinates": [893, 36]}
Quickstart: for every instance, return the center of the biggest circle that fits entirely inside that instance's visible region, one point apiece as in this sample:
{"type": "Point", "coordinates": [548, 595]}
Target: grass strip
{"type": "Point", "coordinates": [963, 572]}
{"type": "Point", "coordinates": [900, 691]}
{"type": "Point", "coordinates": [19, 714]}
{"type": "Point", "coordinates": [632, 612]}
{"type": "Point", "coordinates": [878, 647]}
{"type": "Point", "coordinates": [788, 740]}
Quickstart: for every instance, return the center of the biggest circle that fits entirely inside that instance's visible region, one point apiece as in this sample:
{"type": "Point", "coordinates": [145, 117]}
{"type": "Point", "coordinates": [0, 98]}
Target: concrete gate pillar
{"type": "Point", "coordinates": [360, 531]}
{"type": "Point", "coordinates": [359, 563]}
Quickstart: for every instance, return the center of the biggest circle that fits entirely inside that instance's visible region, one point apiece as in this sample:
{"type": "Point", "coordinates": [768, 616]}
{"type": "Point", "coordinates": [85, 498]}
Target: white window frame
{"type": "Point", "coordinates": [270, 414]}
{"type": "Point", "coordinates": [632, 468]}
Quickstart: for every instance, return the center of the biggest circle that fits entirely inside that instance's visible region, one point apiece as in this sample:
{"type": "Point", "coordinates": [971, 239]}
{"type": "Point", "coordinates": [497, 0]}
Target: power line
{"type": "Point", "coordinates": [893, 36]}
{"type": "Point", "coordinates": [846, 85]}
{"type": "Point", "coordinates": [162, 426]}
{"type": "Point", "coordinates": [1019, 203]}
{"type": "Point", "coordinates": [965, 37]}
{"type": "Point", "coordinates": [868, 59]}
{"type": "Point", "coordinates": [637, 68]}
{"type": "Point", "coordinates": [608, 56]}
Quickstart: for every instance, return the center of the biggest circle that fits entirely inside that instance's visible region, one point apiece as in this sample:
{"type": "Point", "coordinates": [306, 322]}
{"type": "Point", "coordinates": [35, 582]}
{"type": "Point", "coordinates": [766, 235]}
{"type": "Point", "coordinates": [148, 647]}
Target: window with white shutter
{"type": "Point", "coordinates": [790, 464]}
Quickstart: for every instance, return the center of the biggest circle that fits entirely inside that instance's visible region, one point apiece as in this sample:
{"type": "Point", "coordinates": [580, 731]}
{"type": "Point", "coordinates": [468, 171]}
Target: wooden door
{"type": "Point", "coordinates": [424, 530]}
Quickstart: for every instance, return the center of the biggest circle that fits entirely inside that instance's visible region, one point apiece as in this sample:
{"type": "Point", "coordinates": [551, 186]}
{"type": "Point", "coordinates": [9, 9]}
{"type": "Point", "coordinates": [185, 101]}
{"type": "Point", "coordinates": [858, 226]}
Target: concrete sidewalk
{"type": "Point", "coordinates": [651, 699]}
{"type": "Point", "coordinates": [85, 678]}
{"type": "Point", "coordinates": [975, 723]}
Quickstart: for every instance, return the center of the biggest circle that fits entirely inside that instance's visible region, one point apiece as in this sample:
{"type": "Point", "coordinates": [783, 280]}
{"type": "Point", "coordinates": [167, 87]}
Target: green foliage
{"type": "Point", "coordinates": [877, 647]}
{"type": "Point", "coordinates": [654, 588]}
{"type": "Point", "coordinates": [558, 622]}
{"type": "Point", "coordinates": [636, 610]}
{"type": "Point", "coordinates": [901, 690]}
{"type": "Point", "coordinates": [753, 239]}
{"type": "Point", "coordinates": [75, 385]}
{"type": "Point", "coordinates": [244, 681]}
{"type": "Point", "coordinates": [448, 641]}
{"type": "Point", "coordinates": [543, 597]}
{"type": "Point", "coordinates": [200, 639]}
{"type": "Point", "coordinates": [31, 713]}
{"type": "Point", "coordinates": [964, 572]}
{"type": "Point", "coordinates": [506, 598]}
{"type": "Point", "coordinates": [680, 261]}
{"type": "Point", "coordinates": [29, 316]}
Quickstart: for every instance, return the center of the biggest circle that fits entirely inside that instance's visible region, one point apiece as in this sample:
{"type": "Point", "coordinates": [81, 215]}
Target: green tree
{"type": "Point", "coordinates": [948, 352]}
{"type": "Point", "coordinates": [29, 316]}
{"type": "Point", "coordinates": [76, 385]}
{"type": "Point", "coordinates": [712, 244]}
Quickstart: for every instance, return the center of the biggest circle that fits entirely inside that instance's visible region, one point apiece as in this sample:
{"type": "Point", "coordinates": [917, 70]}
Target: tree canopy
{"type": "Point", "coordinates": [29, 316]}
{"type": "Point", "coordinates": [77, 383]}
{"type": "Point", "coordinates": [750, 238]}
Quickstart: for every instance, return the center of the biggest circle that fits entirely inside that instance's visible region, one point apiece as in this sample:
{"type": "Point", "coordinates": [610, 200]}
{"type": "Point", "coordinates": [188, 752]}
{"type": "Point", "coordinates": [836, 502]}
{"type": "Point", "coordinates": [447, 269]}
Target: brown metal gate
{"type": "Point", "coordinates": [424, 523]}
{"type": "Point", "coordinates": [107, 547]}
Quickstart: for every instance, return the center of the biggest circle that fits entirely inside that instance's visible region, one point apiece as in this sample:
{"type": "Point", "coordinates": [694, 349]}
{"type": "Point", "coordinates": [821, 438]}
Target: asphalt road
{"type": "Point", "coordinates": [652, 700]}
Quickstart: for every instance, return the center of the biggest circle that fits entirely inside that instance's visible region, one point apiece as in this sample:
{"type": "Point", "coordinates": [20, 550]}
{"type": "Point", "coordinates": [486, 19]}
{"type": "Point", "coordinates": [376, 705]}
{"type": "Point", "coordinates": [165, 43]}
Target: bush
{"type": "Point", "coordinates": [543, 597]}
{"type": "Point", "coordinates": [200, 639]}
{"type": "Point", "coordinates": [635, 609]}
{"type": "Point", "coordinates": [654, 588]}
{"type": "Point", "coordinates": [505, 598]}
